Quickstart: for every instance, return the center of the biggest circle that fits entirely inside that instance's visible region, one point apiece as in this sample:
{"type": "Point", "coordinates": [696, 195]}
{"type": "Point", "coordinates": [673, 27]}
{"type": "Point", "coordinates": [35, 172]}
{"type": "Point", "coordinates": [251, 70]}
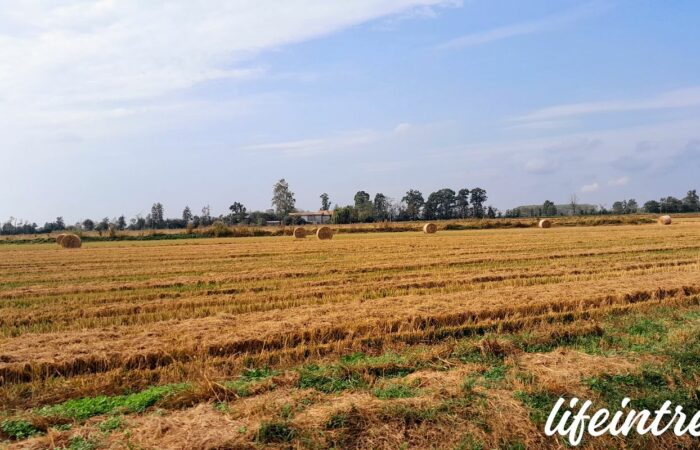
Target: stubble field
{"type": "Point", "coordinates": [463, 339]}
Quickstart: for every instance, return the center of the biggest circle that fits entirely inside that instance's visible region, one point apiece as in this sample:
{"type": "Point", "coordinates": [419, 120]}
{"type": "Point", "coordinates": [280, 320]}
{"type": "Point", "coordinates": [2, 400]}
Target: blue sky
{"type": "Point", "coordinates": [108, 106]}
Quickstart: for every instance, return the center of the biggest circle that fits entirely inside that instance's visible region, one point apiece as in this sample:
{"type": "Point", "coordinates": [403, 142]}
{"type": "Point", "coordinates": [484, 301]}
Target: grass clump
{"type": "Point", "coordinates": [395, 391]}
{"type": "Point", "coordinates": [18, 429]}
{"type": "Point", "coordinates": [329, 379]}
{"type": "Point", "coordinates": [111, 424]}
{"type": "Point", "coordinates": [539, 402]}
{"type": "Point", "coordinates": [275, 432]}
{"type": "Point", "coordinates": [84, 408]}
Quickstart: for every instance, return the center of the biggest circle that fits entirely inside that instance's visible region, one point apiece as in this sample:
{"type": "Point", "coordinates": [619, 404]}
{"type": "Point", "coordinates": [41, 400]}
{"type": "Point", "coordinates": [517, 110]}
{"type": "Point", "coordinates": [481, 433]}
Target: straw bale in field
{"type": "Point", "coordinates": [665, 220]}
{"type": "Point", "coordinates": [71, 241]}
{"type": "Point", "coordinates": [324, 233]}
{"type": "Point", "coordinates": [545, 223]}
{"type": "Point", "coordinates": [60, 237]}
{"type": "Point", "coordinates": [299, 233]}
{"type": "Point", "coordinates": [429, 228]}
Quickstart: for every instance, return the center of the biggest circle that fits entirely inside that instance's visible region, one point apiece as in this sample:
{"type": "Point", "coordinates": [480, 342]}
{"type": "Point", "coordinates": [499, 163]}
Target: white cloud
{"type": "Point", "coordinates": [622, 181]}
{"type": "Point", "coordinates": [316, 146]}
{"type": "Point", "coordinates": [65, 61]}
{"type": "Point", "coordinates": [402, 128]}
{"type": "Point", "coordinates": [549, 23]}
{"type": "Point", "coordinates": [593, 187]}
{"type": "Point", "coordinates": [669, 100]}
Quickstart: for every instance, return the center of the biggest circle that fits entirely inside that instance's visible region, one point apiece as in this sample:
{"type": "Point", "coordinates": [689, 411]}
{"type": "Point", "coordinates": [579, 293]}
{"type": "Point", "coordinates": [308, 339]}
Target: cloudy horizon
{"type": "Point", "coordinates": [109, 106]}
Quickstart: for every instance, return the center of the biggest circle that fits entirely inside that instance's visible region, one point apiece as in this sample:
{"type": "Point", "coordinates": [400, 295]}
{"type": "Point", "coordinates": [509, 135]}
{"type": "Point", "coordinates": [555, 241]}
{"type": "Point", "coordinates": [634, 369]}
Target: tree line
{"type": "Point", "coordinates": [443, 204]}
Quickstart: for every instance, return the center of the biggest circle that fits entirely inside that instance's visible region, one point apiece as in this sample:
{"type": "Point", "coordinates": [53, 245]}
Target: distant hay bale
{"type": "Point", "coordinates": [60, 237]}
{"type": "Point", "coordinates": [71, 241]}
{"type": "Point", "coordinates": [545, 223]}
{"type": "Point", "coordinates": [299, 233]}
{"type": "Point", "coordinates": [665, 220]}
{"type": "Point", "coordinates": [429, 228]}
{"type": "Point", "coordinates": [324, 233]}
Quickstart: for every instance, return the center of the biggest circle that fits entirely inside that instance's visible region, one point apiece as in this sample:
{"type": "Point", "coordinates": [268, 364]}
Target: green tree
{"type": "Point", "coordinates": [670, 205]}
{"type": "Point", "coordinates": [381, 206]}
{"type": "Point", "coordinates": [157, 215]}
{"type": "Point", "coordinates": [440, 204]}
{"type": "Point", "coordinates": [619, 207]}
{"type": "Point", "coordinates": [478, 198]}
{"type": "Point", "coordinates": [238, 212]}
{"type": "Point", "coordinates": [325, 202]}
{"type": "Point", "coordinates": [632, 207]}
{"type": "Point", "coordinates": [691, 202]}
{"type": "Point", "coordinates": [414, 203]}
{"type": "Point", "coordinates": [364, 209]}
{"type": "Point", "coordinates": [121, 222]}
{"type": "Point", "coordinates": [652, 207]}
{"type": "Point", "coordinates": [549, 208]}
{"type": "Point", "coordinates": [88, 225]}
{"type": "Point", "coordinates": [283, 200]}
{"type": "Point", "coordinates": [462, 203]}
{"type": "Point", "coordinates": [187, 215]}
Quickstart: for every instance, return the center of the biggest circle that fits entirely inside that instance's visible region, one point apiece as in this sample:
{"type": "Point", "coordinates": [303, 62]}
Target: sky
{"type": "Point", "coordinates": [107, 106]}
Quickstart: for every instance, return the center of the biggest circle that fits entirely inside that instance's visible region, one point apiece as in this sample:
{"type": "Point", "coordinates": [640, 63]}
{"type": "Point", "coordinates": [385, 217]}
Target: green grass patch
{"type": "Point", "coordinates": [275, 432]}
{"type": "Point", "coordinates": [111, 424]}
{"type": "Point", "coordinates": [540, 404]}
{"type": "Point", "coordinates": [395, 391]}
{"type": "Point", "coordinates": [84, 408]}
{"type": "Point", "coordinates": [18, 429]}
{"type": "Point", "coordinates": [329, 379]}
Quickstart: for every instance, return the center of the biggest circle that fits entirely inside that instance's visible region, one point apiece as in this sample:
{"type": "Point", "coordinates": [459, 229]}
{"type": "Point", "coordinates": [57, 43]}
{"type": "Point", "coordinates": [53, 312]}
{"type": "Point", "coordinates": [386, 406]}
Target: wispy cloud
{"type": "Point", "coordinates": [593, 187]}
{"type": "Point", "coordinates": [622, 181]}
{"type": "Point", "coordinates": [316, 146]}
{"type": "Point", "coordinates": [681, 98]}
{"type": "Point", "coordinates": [545, 24]}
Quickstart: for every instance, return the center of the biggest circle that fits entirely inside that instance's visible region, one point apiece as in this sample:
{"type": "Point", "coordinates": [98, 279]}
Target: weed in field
{"type": "Point", "coordinates": [18, 429]}
{"type": "Point", "coordinates": [329, 379]}
{"type": "Point", "coordinates": [395, 391]}
{"type": "Point", "coordinates": [84, 408]}
{"type": "Point", "coordinates": [275, 432]}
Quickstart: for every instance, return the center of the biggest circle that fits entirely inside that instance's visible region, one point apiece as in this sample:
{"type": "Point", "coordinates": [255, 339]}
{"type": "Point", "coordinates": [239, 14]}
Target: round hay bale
{"type": "Point", "coordinates": [324, 233]}
{"type": "Point", "coordinates": [665, 220]}
{"type": "Point", "coordinates": [71, 241]}
{"type": "Point", "coordinates": [299, 233]}
{"type": "Point", "coordinates": [429, 228]}
{"type": "Point", "coordinates": [545, 223]}
{"type": "Point", "coordinates": [60, 237]}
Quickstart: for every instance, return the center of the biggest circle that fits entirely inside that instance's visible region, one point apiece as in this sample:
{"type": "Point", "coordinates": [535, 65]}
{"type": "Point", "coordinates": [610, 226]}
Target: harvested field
{"type": "Point", "coordinates": [368, 340]}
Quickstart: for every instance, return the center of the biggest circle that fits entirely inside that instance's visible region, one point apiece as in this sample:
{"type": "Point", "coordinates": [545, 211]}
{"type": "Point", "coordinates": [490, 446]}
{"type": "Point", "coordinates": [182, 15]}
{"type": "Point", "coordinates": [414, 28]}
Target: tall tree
{"type": "Point", "coordinates": [573, 201]}
{"type": "Point", "coordinates": [364, 209]}
{"type": "Point", "coordinates": [187, 215]}
{"type": "Point", "coordinates": [548, 208]}
{"type": "Point", "coordinates": [157, 215]}
{"type": "Point", "coordinates": [121, 223]}
{"type": "Point", "coordinates": [440, 204]}
{"type": "Point", "coordinates": [462, 203]}
{"type": "Point", "coordinates": [381, 206]}
{"type": "Point", "coordinates": [282, 199]}
{"type": "Point", "coordinates": [237, 212]}
{"type": "Point", "coordinates": [478, 198]}
{"type": "Point", "coordinates": [88, 225]}
{"type": "Point", "coordinates": [670, 205]}
{"type": "Point", "coordinates": [652, 207]}
{"type": "Point", "coordinates": [325, 202]}
{"type": "Point", "coordinates": [632, 207]}
{"type": "Point", "coordinates": [691, 202]}
{"type": "Point", "coordinates": [414, 203]}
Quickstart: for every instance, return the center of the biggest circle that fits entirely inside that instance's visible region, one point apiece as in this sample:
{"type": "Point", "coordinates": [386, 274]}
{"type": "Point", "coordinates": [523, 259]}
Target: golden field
{"type": "Point", "coordinates": [369, 340]}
